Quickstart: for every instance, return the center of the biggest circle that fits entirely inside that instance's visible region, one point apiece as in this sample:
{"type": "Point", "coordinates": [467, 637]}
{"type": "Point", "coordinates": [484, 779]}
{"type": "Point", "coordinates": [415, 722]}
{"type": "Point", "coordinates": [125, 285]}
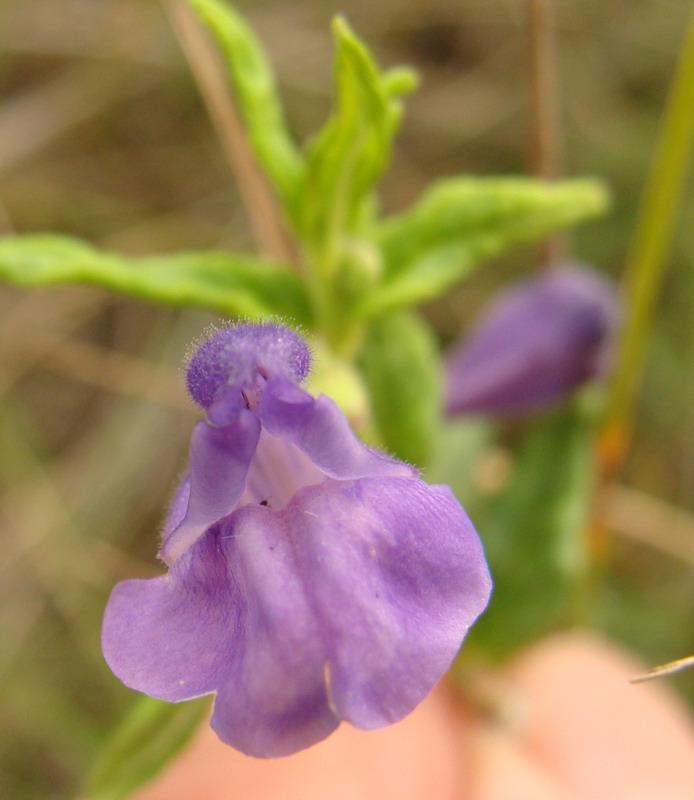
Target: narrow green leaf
{"type": "Point", "coordinates": [253, 80]}
{"type": "Point", "coordinates": [400, 364]}
{"type": "Point", "coordinates": [146, 739]}
{"type": "Point", "coordinates": [351, 152]}
{"type": "Point", "coordinates": [534, 532]}
{"type": "Point", "coordinates": [461, 221]}
{"type": "Point", "coordinates": [228, 283]}
{"type": "Point", "coordinates": [647, 257]}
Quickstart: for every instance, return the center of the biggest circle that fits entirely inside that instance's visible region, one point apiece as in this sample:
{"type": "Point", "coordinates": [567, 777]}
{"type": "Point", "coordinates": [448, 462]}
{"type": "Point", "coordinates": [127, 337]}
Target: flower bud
{"type": "Point", "coordinates": [536, 343]}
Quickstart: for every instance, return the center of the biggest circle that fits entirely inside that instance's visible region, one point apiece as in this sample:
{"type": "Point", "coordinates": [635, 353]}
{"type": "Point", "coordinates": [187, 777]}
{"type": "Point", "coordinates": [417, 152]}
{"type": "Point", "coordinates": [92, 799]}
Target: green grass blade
{"type": "Point", "coordinates": [147, 738]}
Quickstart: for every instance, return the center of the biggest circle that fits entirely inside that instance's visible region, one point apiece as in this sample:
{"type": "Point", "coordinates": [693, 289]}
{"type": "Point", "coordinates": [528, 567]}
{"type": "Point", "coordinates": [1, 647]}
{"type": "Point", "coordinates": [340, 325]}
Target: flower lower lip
{"type": "Point", "coordinates": [351, 573]}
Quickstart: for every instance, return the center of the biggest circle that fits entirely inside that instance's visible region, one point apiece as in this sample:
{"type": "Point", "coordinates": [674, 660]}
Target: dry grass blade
{"type": "Point", "coordinates": [40, 115]}
{"type": "Point", "coordinates": [261, 206]}
{"type": "Point", "coordinates": [665, 669]}
{"type": "Point", "coordinates": [641, 517]}
{"type": "Point", "coordinates": [106, 369]}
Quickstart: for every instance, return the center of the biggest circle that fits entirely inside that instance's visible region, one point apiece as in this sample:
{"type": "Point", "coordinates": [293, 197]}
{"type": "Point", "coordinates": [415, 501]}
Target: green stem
{"type": "Point", "coordinates": [342, 335]}
{"type": "Point", "coordinates": [650, 242]}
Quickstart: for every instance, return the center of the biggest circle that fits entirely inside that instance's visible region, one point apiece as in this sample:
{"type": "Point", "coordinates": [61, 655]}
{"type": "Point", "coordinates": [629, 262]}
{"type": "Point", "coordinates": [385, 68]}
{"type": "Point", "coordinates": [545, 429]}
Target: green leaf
{"type": "Point", "coordinates": [534, 533]}
{"type": "Point", "coordinates": [461, 221]}
{"type": "Point", "coordinates": [228, 283]}
{"type": "Point", "coordinates": [351, 152]}
{"type": "Point", "coordinates": [253, 80]}
{"type": "Point", "coordinates": [400, 364]}
{"type": "Point", "coordinates": [146, 739]}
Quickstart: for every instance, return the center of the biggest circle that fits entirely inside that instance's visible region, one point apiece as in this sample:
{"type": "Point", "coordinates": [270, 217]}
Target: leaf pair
{"type": "Point", "coordinates": [350, 154]}
{"type": "Point", "coordinates": [361, 268]}
{"type": "Point", "coordinates": [322, 192]}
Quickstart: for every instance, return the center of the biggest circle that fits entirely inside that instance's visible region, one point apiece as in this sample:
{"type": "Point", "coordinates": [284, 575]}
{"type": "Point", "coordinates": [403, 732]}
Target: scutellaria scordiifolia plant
{"type": "Point", "coordinates": [312, 580]}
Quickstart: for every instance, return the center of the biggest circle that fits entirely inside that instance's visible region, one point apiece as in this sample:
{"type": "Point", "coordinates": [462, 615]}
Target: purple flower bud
{"type": "Point", "coordinates": [537, 342]}
{"type": "Point", "coordinates": [311, 579]}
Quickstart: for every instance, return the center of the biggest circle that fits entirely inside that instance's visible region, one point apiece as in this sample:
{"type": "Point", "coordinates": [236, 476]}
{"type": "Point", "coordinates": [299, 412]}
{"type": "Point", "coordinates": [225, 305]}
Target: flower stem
{"type": "Point", "coordinates": [648, 252]}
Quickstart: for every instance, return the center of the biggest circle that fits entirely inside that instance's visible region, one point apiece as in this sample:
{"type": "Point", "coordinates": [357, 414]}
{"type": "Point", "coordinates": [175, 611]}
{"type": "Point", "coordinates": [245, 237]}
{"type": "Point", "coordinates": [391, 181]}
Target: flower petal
{"type": "Point", "coordinates": [177, 507]}
{"type": "Point", "coordinates": [274, 701]}
{"type": "Point", "coordinates": [318, 428]}
{"type": "Point", "coordinates": [396, 574]}
{"type": "Point", "coordinates": [173, 637]}
{"type": "Point", "coordinates": [219, 461]}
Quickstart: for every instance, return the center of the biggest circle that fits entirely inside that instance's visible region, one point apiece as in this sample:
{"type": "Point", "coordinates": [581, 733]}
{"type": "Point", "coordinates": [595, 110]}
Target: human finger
{"type": "Point", "coordinates": [419, 758]}
{"type": "Point", "coordinates": [602, 737]}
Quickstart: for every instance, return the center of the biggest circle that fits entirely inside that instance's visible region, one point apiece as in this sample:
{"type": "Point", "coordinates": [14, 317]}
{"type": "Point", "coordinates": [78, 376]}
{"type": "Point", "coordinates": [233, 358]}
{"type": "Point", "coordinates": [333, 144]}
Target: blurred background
{"type": "Point", "coordinates": [103, 135]}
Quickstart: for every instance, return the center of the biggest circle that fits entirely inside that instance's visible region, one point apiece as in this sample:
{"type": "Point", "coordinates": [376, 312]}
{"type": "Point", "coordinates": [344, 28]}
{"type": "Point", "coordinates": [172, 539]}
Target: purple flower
{"type": "Point", "coordinates": [537, 342]}
{"type": "Point", "coordinates": [311, 579]}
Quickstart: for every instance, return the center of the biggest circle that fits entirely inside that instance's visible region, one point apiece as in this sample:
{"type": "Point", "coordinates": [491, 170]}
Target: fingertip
{"type": "Point", "coordinates": [416, 758]}
{"type": "Point", "coordinates": [502, 770]}
{"type": "Point", "coordinates": [603, 736]}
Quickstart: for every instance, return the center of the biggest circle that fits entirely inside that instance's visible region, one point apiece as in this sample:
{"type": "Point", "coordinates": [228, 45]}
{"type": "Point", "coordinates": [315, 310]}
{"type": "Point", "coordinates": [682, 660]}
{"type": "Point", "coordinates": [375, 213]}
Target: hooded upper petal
{"type": "Point", "coordinates": [233, 356]}
{"type": "Point", "coordinates": [537, 342]}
